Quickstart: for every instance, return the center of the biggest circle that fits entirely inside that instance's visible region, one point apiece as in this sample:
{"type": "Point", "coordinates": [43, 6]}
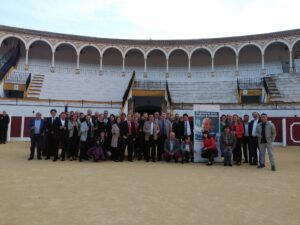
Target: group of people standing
{"type": "Point", "coordinates": [102, 136]}
{"type": "Point", "coordinates": [153, 137]}
{"type": "Point", "coordinates": [254, 137]}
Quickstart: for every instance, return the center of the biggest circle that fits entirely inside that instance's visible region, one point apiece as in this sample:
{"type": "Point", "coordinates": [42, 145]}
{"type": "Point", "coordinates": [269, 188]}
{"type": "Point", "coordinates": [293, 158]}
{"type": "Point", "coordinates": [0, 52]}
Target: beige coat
{"type": "Point", "coordinates": [168, 127]}
{"type": "Point", "coordinates": [147, 130]}
{"type": "Point", "coordinates": [115, 130]}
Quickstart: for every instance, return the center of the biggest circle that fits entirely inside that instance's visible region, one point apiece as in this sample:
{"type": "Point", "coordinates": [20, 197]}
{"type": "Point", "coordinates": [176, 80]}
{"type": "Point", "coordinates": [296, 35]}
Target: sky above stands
{"type": "Point", "coordinates": [152, 19]}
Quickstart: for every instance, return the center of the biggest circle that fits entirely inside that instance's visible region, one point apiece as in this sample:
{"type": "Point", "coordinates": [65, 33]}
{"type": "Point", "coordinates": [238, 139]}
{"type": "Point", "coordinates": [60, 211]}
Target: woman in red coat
{"type": "Point", "coordinates": [237, 129]}
{"type": "Point", "coordinates": [209, 149]}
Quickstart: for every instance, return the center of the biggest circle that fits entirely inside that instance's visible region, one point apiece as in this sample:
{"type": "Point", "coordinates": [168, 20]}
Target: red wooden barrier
{"type": "Point", "coordinates": [293, 131]}
{"type": "Point", "coordinates": [16, 126]}
{"type": "Point", "coordinates": [26, 124]}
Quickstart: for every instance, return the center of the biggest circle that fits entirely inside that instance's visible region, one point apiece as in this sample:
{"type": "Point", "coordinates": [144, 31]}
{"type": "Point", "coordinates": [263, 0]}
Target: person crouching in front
{"type": "Point", "coordinates": [228, 142]}
{"type": "Point", "coordinates": [172, 148]}
{"type": "Point", "coordinates": [209, 149]}
{"type": "Point", "coordinates": [187, 150]}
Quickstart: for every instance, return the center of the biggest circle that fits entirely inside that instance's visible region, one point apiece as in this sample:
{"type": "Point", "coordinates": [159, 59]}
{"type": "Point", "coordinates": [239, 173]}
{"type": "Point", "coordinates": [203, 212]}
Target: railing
{"type": "Point", "coordinates": [168, 93]}
{"type": "Point", "coordinates": [8, 60]}
{"type": "Point", "coordinates": [251, 83]}
{"type": "Point", "coordinates": [150, 84]}
{"type": "Point", "coordinates": [128, 88]}
{"type": "Point", "coordinates": [28, 81]}
{"type": "Point", "coordinates": [265, 85]}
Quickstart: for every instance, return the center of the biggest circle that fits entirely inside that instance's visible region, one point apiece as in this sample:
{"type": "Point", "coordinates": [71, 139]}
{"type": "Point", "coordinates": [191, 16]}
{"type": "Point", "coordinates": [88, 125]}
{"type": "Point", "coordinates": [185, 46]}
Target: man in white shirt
{"type": "Point", "coordinates": [151, 130]}
{"type": "Point", "coordinates": [187, 128]}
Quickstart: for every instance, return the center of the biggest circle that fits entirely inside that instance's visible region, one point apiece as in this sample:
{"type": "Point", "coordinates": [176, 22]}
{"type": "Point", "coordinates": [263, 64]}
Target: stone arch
{"type": "Point", "coordinates": [32, 41]}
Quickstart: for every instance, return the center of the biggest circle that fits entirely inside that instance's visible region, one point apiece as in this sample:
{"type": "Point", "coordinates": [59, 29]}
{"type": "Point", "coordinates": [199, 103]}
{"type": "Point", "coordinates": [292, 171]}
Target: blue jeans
{"type": "Point", "coordinates": [227, 155]}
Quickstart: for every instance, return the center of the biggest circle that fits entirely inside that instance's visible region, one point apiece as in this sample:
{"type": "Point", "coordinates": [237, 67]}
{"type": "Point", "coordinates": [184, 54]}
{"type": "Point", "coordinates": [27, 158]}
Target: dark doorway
{"type": "Point", "coordinates": [147, 109]}
{"type": "Point", "coordinates": [148, 104]}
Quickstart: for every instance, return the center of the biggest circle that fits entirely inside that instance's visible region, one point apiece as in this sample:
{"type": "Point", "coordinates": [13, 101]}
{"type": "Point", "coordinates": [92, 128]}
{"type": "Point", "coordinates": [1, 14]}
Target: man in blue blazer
{"type": "Point", "coordinates": [36, 127]}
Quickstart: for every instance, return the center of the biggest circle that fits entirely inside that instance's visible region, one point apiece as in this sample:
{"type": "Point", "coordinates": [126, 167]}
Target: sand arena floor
{"type": "Point", "coordinates": [64, 193]}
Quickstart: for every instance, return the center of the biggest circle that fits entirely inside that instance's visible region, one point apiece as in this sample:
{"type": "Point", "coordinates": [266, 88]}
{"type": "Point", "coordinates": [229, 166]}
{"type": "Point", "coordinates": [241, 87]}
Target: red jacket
{"type": "Point", "coordinates": [209, 143]}
{"type": "Point", "coordinates": [239, 130]}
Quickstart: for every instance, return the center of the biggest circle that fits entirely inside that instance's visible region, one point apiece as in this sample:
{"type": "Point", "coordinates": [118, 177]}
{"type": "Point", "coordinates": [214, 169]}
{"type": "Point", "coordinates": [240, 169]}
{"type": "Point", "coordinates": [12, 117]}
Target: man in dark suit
{"type": "Point", "coordinates": [176, 127]}
{"type": "Point", "coordinates": [123, 135]}
{"type": "Point", "coordinates": [51, 133]}
{"type": "Point", "coordinates": [4, 121]}
{"type": "Point", "coordinates": [253, 140]}
{"type": "Point", "coordinates": [130, 137]}
{"type": "Point", "coordinates": [142, 142]}
{"type": "Point", "coordinates": [186, 128]}
{"type": "Point", "coordinates": [36, 127]}
{"type": "Point", "coordinates": [61, 124]}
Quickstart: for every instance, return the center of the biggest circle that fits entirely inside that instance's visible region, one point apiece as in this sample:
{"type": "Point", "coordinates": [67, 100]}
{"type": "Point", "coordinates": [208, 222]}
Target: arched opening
{"type": "Point", "coordinates": [39, 56]}
{"type": "Point", "coordinates": [178, 63]}
{"type": "Point", "coordinates": [277, 58]}
{"type": "Point", "coordinates": [89, 62]}
{"type": "Point", "coordinates": [65, 59]}
{"type": "Point", "coordinates": [112, 61]}
{"type": "Point", "coordinates": [134, 61]}
{"type": "Point", "coordinates": [296, 56]}
{"type": "Point", "coordinates": [224, 61]}
{"type": "Point", "coordinates": [156, 63]}
{"type": "Point", "coordinates": [10, 43]}
{"type": "Point", "coordinates": [200, 62]}
{"type": "Point", "coordinates": [250, 61]}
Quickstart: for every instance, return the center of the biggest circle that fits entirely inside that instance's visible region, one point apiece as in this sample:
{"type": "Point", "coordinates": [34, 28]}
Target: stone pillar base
{"type": "Point", "coordinates": [237, 73]}
{"type": "Point", "coordinates": [167, 75]}
{"type": "Point", "coordinates": [189, 75]}
{"type": "Point", "coordinates": [263, 72]}
{"type": "Point", "coordinates": [77, 71]}
{"type": "Point", "coordinates": [212, 74]}
{"type": "Point", "coordinates": [123, 73]}
{"type": "Point", "coordinates": [52, 69]}
{"type": "Point", "coordinates": [145, 74]}
{"type": "Point", "coordinates": [100, 72]}
{"type": "Point", "coordinates": [26, 67]}
{"type": "Point", "coordinates": [291, 70]}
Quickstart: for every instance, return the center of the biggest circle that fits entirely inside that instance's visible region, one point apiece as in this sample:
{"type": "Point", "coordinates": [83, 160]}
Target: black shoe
{"type": "Point", "coordinates": [238, 163]}
{"type": "Point", "coordinates": [245, 161]}
{"type": "Point", "coordinates": [47, 158]}
{"type": "Point", "coordinates": [229, 164]}
{"type": "Point", "coordinates": [273, 168]}
{"type": "Point", "coordinates": [225, 164]}
{"type": "Point", "coordinates": [55, 159]}
{"type": "Point", "coordinates": [130, 160]}
{"type": "Point", "coordinates": [153, 160]}
{"type": "Point", "coordinates": [261, 166]}
{"type": "Point", "coordinates": [30, 158]}
{"type": "Point", "coordinates": [62, 159]}
{"type": "Point", "coordinates": [80, 160]}
{"type": "Point", "coordinates": [39, 158]}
